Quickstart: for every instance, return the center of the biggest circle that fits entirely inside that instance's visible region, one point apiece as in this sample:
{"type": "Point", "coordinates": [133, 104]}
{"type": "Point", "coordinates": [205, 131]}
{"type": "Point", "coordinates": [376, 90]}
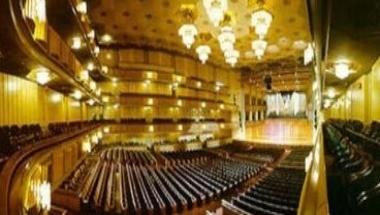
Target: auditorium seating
{"type": "Point", "coordinates": [296, 159]}
{"type": "Point", "coordinates": [276, 194]}
{"type": "Point", "coordinates": [123, 155]}
{"type": "Point", "coordinates": [110, 183]}
{"type": "Point", "coordinates": [186, 156]}
{"type": "Point", "coordinates": [353, 167]}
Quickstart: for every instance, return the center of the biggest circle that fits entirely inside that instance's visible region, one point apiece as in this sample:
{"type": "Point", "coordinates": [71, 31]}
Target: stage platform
{"type": "Point", "coordinates": [292, 132]}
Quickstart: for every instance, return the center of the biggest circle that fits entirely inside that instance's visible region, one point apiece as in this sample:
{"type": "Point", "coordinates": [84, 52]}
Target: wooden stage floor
{"type": "Point", "coordinates": [280, 131]}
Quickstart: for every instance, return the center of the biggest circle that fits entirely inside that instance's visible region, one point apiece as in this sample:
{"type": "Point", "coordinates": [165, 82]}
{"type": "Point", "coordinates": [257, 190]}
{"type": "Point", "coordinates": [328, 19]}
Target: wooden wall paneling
{"type": "Point", "coordinates": [131, 56]}
{"type": "Point", "coordinates": [158, 58]}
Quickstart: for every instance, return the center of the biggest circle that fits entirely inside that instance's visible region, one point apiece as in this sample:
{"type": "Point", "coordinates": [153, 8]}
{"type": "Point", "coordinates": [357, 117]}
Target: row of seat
{"type": "Point", "coordinates": [181, 157]}
{"type": "Point", "coordinates": [296, 159]}
{"type": "Point", "coordinates": [123, 155]}
{"type": "Point", "coordinates": [365, 136]}
{"type": "Point", "coordinates": [276, 194]}
{"type": "Point", "coordinates": [167, 120]}
{"type": "Point", "coordinates": [353, 170]}
{"type": "Point", "coordinates": [114, 186]}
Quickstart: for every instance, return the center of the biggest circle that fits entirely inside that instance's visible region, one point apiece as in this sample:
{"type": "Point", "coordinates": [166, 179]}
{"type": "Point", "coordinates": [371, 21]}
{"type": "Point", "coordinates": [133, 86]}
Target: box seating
{"type": "Point", "coordinates": [352, 149]}
{"type": "Point", "coordinates": [14, 137]}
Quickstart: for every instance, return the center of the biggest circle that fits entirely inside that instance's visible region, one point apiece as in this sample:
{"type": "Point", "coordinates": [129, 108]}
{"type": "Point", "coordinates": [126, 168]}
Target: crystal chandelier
{"type": "Point", "coordinates": [226, 39]}
{"type": "Point", "coordinates": [261, 20]}
{"type": "Point", "coordinates": [188, 33]}
{"type": "Point", "coordinates": [259, 47]}
{"type": "Point", "coordinates": [203, 52]}
{"type": "Point", "coordinates": [231, 56]}
{"type": "Point", "coordinates": [215, 10]}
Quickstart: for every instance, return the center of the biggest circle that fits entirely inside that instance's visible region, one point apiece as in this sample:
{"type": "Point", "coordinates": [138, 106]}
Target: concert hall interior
{"type": "Point", "coordinates": [215, 107]}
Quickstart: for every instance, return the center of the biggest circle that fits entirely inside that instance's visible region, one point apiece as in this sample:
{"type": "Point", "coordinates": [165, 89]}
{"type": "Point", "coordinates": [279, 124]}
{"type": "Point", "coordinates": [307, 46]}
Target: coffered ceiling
{"type": "Point", "coordinates": [155, 23]}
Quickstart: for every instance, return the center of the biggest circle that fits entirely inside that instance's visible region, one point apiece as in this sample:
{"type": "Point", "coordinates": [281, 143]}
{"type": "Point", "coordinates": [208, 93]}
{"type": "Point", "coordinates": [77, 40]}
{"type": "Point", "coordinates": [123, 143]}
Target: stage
{"type": "Point", "coordinates": [287, 131]}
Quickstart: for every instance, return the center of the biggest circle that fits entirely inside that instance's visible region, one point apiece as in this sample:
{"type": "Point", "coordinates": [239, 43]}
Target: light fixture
{"type": "Point", "coordinates": [179, 103]}
{"type": "Point", "coordinates": [231, 57]}
{"type": "Point", "coordinates": [82, 7]}
{"type": "Point", "coordinates": [86, 146]}
{"type": "Point", "coordinates": [96, 50]}
{"type": "Point", "coordinates": [150, 101]}
{"type": "Point", "coordinates": [105, 69]}
{"type": "Point", "coordinates": [100, 134]}
{"type": "Point", "coordinates": [98, 92]}
{"type": "Point", "coordinates": [90, 66]}
{"type": "Point", "coordinates": [106, 38]}
{"type": "Point", "coordinates": [56, 97]}
{"type": "Point", "coordinates": [76, 43]}
{"type": "Point", "coordinates": [188, 33]}
{"type": "Point", "coordinates": [105, 99]}
{"type": "Point", "coordinates": [259, 47]}
{"type": "Point", "coordinates": [44, 195]}
{"type": "Point", "coordinates": [116, 106]}
{"type": "Point", "coordinates": [91, 34]}
{"type": "Point", "coordinates": [203, 51]}
{"type": "Point", "coordinates": [217, 88]}
{"type": "Point", "coordinates": [84, 76]}
{"type": "Point", "coordinates": [94, 139]}
{"type": "Point", "coordinates": [77, 94]}
{"type": "Point", "coordinates": [226, 39]}
{"type": "Point", "coordinates": [42, 76]}
{"type": "Point", "coordinates": [261, 20]}
{"type": "Point", "coordinates": [342, 69]}
{"type": "Point", "coordinates": [308, 54]}
{"type": "Point", "coordinates": [199, 84]}
{"type": "Point", "coordinates": [151, 128]}
{"type": "Point", "coordinates": [215, 10]}
{"type": "Point", "coordinates": [91, 102]}
{"type": "Point", "coordinates": [180, 127]}
{"type": "Point", "coordinates": [203, 104]}
{"type": "Point", "coordinates": [221, 106]}
{"type": "Point", "coordinates": [331, 93]}
{"type": "Point", "coordinates": [92, 85]}
{"type": "Point", "coordinates": [106, 130]}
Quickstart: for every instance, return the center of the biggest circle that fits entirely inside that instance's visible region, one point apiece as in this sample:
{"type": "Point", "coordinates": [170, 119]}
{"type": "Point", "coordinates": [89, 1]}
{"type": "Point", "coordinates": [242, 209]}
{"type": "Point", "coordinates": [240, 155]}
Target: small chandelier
{"type": "Point", "coordinates": [188, 33]}
{"type": "Point", "coordinates": [342, 70]}
{"type": "Point", "coordinates": [203, 52]}
{"type": "Point", "coordinates": [226, 39]}
{"type": "Point", "coordinates": [259, 47]}
{"type": "Point", "coordinates": [231, 57]}
{"type": "Point", "coordinates": [215, 10]}
{"type": "Point", "coordinates": [261, 20]}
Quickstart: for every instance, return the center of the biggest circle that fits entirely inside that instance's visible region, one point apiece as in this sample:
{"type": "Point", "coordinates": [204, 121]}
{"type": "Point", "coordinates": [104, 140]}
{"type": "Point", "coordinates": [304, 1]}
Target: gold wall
{"type": "Point", "coordinates": [25, 102]}
{"type": "Point", "coordinates": [361, 100]}
{"type": "Point", "coordinates": [152, 84]}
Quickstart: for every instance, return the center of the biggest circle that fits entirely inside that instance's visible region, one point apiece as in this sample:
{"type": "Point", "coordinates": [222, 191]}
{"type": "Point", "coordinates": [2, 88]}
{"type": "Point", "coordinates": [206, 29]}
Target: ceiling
{"type": "Point", "coordinates": [155, 23]}
{"type": "Point", "coordinates": [352, 35]}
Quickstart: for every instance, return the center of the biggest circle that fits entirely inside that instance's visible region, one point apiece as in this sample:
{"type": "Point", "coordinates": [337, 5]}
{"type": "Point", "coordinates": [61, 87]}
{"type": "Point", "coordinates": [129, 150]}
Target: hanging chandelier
{"type": "Point", "coordinates": [215, 10]}
{"type": "Point", "coordinates": [188, 33]}
{"type": "Point", "coordinates": [226, 39]}
{"type": "Point", "coordinates": [259, 47]}
{"type": "Point", "coordinates": [261, 21]}
{"type": "Point", "coordinates": [203, 52]}
{"type": "Point", "coordinates": [232, 57]}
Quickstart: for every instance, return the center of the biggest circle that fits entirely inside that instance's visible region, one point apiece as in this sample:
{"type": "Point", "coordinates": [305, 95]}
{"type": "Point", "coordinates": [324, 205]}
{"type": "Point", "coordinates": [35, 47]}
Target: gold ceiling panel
{"type": "Point", "coordinates": [156, 22]}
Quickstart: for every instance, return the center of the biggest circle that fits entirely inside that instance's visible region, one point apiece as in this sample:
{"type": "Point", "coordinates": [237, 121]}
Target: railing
{"type": "Point", "coordinates": [313, 198]}
{"type": "Point", "coordinates": [8, 199]}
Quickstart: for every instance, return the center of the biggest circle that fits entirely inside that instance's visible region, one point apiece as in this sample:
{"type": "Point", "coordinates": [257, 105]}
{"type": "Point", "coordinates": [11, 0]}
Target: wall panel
{"type": "Point", "coordinates": [25, 102]}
